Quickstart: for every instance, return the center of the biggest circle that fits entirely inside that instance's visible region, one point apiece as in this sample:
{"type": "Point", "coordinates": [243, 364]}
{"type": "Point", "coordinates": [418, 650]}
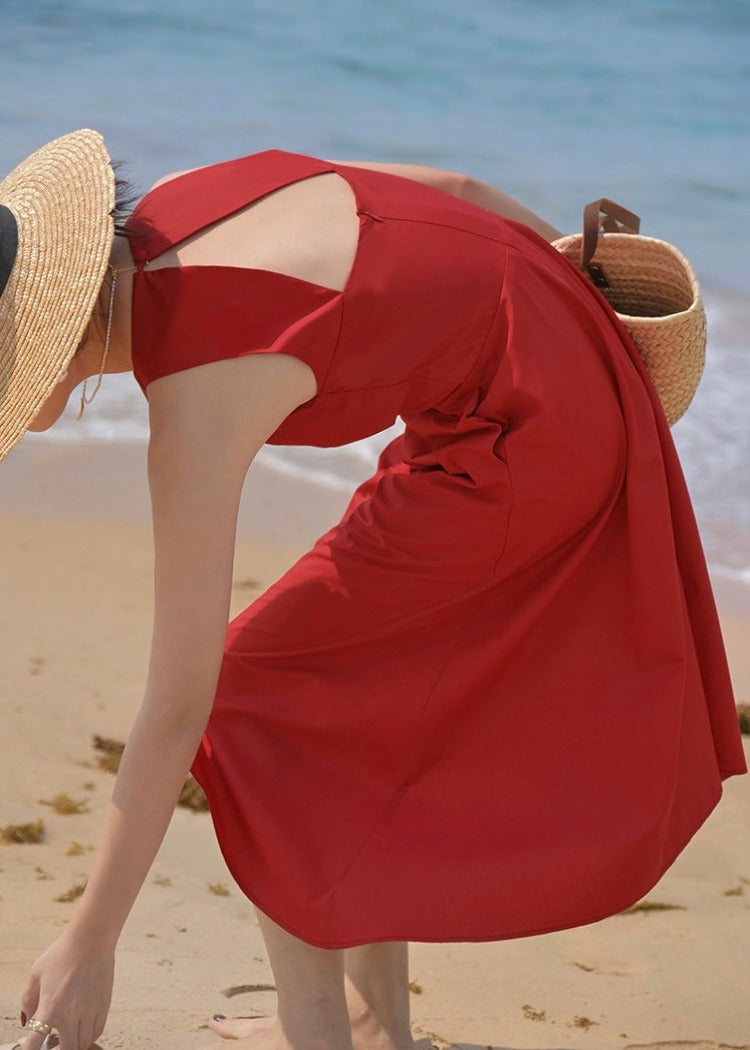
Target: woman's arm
{"type": "Point", "coordinates": [462, 186]}
{"type": "Point", "coordinates": [206, 425]}
{"type": "Point", "coordinates": [468, 189]}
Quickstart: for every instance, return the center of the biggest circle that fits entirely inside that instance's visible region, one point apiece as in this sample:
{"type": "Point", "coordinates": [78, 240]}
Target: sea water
{"type": "Point", "coordinates": [556, 101]}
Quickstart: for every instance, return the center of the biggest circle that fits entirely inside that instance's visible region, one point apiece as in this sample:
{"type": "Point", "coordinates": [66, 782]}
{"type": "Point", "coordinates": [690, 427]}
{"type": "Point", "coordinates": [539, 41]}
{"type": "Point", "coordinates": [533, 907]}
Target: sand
{"type": "Point", "coordinates": [74, 630]}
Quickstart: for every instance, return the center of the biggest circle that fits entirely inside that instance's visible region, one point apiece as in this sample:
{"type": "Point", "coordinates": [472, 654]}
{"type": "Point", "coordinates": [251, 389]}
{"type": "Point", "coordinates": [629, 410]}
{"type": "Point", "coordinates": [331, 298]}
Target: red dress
{"type": "Point", "coordinates": [493, 700]}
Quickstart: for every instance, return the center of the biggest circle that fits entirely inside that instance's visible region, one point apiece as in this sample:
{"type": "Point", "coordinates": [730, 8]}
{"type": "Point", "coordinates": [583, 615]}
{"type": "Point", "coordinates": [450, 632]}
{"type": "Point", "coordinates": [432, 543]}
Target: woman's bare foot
{"type": "Point", "coordinates": [254, 1033]}
{"type": "Point", "coordinates": [367, 1032]}
{"type": "Point", "coordinates": [238, 1027]}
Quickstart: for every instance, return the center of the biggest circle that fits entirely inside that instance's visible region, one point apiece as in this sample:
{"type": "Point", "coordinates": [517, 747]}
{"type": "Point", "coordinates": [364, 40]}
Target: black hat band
{"type": "Point", "coordinates": [8, 244]}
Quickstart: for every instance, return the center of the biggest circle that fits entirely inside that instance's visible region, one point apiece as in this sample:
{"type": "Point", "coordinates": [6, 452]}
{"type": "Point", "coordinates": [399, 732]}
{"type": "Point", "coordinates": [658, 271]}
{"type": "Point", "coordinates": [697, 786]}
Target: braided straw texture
{"type": "Point", "coordinates": [61, 197]}
{"type": "Point", "coordinates": [654, 291]}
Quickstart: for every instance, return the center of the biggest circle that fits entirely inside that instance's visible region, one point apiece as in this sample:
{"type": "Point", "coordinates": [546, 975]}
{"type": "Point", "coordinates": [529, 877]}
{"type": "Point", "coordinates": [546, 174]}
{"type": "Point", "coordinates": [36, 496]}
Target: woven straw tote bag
{"type": "Point", "coordinates": [654, 291]}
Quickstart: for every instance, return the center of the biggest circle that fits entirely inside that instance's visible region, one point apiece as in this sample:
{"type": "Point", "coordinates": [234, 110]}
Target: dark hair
{"type": "Point", "coordinates": [126, 197]}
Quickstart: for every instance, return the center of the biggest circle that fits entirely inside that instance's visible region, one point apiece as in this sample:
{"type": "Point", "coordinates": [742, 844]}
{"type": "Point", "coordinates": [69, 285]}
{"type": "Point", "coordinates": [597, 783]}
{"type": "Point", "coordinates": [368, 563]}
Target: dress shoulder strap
{"type": "Point", "coordinates": [188, 203]}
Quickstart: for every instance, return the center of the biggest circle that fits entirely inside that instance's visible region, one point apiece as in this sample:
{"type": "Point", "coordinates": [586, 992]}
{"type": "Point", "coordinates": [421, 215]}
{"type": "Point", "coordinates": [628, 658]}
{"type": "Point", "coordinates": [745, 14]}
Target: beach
{"type": "Point", "coordinates": [74, 634]}
{"type": "Point", "coordinates": [641, 103]}
{"type": "Point", "coordinates": [657, 123]}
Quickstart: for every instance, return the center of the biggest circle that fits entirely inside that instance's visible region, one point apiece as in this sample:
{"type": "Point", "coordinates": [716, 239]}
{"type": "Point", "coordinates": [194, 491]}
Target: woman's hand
{"type": "Point", "coordinates": [70, 989]}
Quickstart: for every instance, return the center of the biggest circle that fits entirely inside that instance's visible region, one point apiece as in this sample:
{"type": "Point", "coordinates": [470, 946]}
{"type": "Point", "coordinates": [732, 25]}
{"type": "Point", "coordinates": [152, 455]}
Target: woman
{"type": "Point", "coordinates": [492, 701]}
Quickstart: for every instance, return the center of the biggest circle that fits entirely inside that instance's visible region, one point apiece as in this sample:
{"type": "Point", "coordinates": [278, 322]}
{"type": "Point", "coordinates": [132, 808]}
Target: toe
{"type": "Point", "coordinates": [223, 1026]}
{"type": "Point", "coordinates": [235, 1027]}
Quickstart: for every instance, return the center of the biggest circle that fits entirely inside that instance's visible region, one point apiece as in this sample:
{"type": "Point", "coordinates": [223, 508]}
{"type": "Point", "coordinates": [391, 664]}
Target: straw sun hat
{"type": "Point", "coordinates": [654, 291]}
{"type": "Point", "coordinates": [56, 234]}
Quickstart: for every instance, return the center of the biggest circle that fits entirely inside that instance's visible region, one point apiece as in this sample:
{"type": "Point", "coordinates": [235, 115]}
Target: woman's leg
{"type": "Point", "coordinates": [312, 1012]}
{"type": "Point", "coordinates": [377, 991]}
{"type": "Point", "coordinates": [377, 995]}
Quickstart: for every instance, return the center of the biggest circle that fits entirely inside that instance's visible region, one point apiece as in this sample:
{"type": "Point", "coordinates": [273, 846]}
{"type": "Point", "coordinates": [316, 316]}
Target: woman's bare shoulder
{"type": "Point", "coordinates": [172, 175]}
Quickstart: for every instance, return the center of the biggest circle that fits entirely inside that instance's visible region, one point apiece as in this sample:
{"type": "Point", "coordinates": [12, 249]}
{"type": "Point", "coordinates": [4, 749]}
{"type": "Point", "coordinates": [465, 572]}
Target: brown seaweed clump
{"type": "Point", "coordinates": [739, 889]}
{"type": "Point", "coordinates": [743, 713]}
{"type": "Point", "coordinates": [192, 796]}
{"type": "Point", "coordinates": [15, 833]}
{"type": "Point", "coordinates": [645, 907]}
{"type": "Point", "coordinates": [582, 1022]}
{"type": "Point", "coordinates": [110, 753]}
{"type": "Point", "coordinates": [75, 849]}
{"type": "Point", "coordinates": [75, 891]}
{"type": "Point", "coordinates": [65, 805]}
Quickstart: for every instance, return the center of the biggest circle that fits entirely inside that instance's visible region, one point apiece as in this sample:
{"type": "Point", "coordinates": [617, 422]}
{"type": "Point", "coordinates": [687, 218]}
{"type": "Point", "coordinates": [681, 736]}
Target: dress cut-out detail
{"type": "Point", "coordinates": [307, 230]}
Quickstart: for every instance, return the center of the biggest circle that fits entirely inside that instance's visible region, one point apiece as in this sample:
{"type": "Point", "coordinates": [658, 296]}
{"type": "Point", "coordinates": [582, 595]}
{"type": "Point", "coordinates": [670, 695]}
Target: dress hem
{"type": "Point", "coordinates": [333, 944]}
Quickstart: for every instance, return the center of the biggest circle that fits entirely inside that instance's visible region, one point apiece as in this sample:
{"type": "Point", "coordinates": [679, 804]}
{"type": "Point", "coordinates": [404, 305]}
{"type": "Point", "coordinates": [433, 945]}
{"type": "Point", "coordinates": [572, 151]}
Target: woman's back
{"type": "Point", "coordinates": [307, 229]}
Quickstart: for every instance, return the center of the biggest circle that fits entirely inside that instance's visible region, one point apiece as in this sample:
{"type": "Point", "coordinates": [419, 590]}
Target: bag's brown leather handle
{"type": "Point", "coordinates": [608, 216]}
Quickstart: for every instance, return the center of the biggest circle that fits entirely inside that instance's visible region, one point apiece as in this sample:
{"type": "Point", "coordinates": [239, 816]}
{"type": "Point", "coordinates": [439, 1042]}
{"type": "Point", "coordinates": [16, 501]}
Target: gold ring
{"type": "Point", "coordinates": [39, 1026]}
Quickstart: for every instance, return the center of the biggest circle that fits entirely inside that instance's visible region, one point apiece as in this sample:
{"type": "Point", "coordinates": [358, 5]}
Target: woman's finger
{"type": "Point", "coordinates": [67, 1034]}
{"type": "Point", "coordinates": [85, 1035]}
{"type": "Point", "coordinates": [29, 999]}
{"type": "Point", "coordinates": [71, 1034]}
{"type": "Point", "coordinates": [99, 1022]}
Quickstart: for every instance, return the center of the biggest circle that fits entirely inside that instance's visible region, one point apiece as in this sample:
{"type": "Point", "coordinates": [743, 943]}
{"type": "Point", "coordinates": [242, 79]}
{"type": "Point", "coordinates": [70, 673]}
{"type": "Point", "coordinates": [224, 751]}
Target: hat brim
{"type": "Point", "coordinates": [61, 197]}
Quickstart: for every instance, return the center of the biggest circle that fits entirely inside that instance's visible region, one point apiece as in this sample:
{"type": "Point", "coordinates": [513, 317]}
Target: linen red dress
{"type": "Point", "coordinates": [493, 700]}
